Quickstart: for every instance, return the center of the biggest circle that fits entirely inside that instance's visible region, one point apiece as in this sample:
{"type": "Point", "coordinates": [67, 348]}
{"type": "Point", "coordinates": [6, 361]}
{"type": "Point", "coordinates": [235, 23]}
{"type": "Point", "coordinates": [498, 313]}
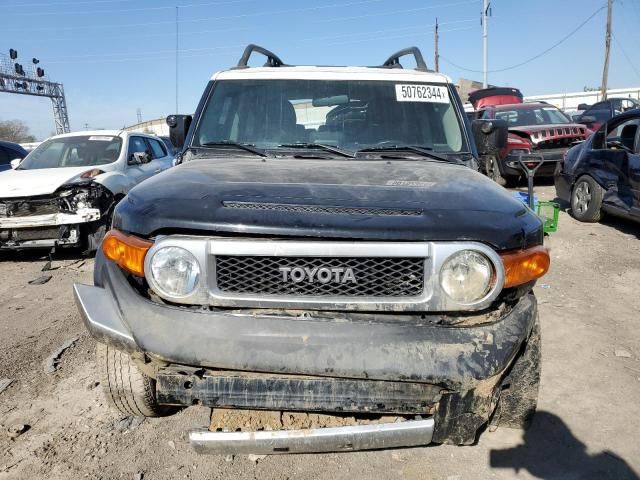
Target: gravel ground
{"type": "Point", "coordinates": [586, 426]}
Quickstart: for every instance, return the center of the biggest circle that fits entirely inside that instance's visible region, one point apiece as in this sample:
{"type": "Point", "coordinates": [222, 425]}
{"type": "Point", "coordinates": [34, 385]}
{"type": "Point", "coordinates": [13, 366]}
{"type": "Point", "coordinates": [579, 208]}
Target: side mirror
{"type": "Point", "coordinates": [178, 129]}
{"type": "Point", "coordinates": [583, 106]}
{"type": "Point", "coordinates": [587, 119]}
{"type": "Point", "coordinates": [490, 136]}
{"type": "Point", "coordinates": [15, 162]}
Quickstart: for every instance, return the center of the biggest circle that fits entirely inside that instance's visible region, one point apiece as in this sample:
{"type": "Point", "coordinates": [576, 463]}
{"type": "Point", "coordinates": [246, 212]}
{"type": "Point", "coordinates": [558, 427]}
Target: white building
{"type": "Point", "coordinates": [157, 126]}
{"type": "Point", "coordinates": [570, 101]}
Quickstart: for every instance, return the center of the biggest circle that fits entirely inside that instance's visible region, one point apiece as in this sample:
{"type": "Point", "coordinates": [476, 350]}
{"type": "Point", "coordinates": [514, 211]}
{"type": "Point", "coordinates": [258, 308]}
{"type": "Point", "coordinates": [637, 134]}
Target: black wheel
{"type": "Point", "coordinates": [97, 231]}
{"type": "Point", "coordinates": [519, 396]}
{"type": "Point", "coordinates": [492, 169]}
{"type": "Point", "coordinates": [127, 389]}
{"type": "Point", "coordinates": [586, 200]}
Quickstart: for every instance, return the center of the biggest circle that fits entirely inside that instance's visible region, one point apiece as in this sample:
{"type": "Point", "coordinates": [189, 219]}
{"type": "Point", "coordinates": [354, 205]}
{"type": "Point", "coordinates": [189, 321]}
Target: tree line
{"type": "Point", "coordinates": [15, 131]}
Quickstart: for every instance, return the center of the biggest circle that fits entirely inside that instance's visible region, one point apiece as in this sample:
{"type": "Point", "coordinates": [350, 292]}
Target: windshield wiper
{"type": "Point", "coordinates": [319, 146]}
{"type": "Point", "coordinates": [242, 146]}
{"type": "Point", "coordinates": [423, 151]}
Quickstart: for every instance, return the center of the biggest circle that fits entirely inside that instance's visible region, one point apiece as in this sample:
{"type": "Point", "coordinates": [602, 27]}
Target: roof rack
{"type": "Point", "coordinates": [394, 60]}
{"type": "Point", "coordinates": [272, 59]}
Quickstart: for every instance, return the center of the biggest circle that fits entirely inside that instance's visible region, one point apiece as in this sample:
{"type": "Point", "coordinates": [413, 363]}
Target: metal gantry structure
{"type": "Point", "coordinates": [14, 79]}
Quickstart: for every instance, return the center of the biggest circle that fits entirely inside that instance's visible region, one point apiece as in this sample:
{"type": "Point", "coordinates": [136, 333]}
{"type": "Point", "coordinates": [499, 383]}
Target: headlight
{"type": "Point", "coordinates": [467, 276]}
{"type": "Point", "coordinates": [174, 272]}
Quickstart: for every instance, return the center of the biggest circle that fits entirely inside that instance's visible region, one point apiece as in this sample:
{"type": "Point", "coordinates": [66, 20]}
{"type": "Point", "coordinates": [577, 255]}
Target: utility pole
{"type": "Point", "coordinates": [139, 114]}
{"type": "Point", "coordinates": [607, 50]}
{"type": "Point", "coordinates": [485, 43]}
{"type": "Point", "coordinates": [177, 60]}
{"type": "Point", "coordinates": [437, 55]}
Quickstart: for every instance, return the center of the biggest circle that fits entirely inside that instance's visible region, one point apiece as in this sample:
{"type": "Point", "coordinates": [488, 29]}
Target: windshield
{"type": "Point", "coordinates": [349, 114]}
{"type": "Point", "coordinates": [80, 151]}
{"type": "Point", "coordinates": [519, 117]}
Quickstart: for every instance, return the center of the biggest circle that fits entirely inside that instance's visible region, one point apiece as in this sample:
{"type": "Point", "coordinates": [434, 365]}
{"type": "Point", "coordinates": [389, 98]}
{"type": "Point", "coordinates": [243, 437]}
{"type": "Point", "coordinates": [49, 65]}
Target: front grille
{"type": "Point", "coordinates": [46, 233]}
{"type": "Point", "coordinates": [336, 210]}
{"type": "Point", "coordinates": [320, 276]}
{"type": "Point", "coordinates": [558, 142]}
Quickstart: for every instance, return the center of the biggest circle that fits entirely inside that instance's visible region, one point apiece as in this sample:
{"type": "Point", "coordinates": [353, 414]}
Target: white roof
{"type": "Point", "coordinates": [333, 73]}
{"type": "Point", "coordinates": [113, 133]}
{"type": "Point", "coordinates": [108, 133]}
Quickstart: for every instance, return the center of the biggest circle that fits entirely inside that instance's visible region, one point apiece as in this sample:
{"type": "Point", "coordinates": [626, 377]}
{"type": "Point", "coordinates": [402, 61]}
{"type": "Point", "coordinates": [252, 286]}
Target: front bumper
{"type": "Point", "coordinates": [359, 437]}
{"type": "Point", "coordinates": [49, 220]}
{"type": "Point", "coordinates": [511, 166]}
{"type": "Point", "coordinates": [455, 356]}
{"type": "Point", "coordinates": [311, 364]}
{"type": "Point", "coordinates": [50, 230]}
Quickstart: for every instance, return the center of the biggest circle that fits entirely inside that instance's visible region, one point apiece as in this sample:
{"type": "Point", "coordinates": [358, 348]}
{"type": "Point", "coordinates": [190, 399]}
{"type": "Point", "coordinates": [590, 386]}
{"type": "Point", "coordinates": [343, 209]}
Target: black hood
{"type": "Point", "coordinates": [405, 200]}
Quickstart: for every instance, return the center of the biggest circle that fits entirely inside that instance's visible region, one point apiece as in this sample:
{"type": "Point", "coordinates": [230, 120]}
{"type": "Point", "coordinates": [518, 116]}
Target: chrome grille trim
{"type": "Point", "coordinates": [432, 298]}
{"type": "Point", "coordinates": [373, 276]}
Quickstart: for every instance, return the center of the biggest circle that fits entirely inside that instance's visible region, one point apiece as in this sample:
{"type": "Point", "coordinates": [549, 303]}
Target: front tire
{"type": "Point", "coordinates": [586, 200]}
{"type": "Point", "coordinates": [492, 169]}
{"type": "Point", "coordinates": [127, 389]}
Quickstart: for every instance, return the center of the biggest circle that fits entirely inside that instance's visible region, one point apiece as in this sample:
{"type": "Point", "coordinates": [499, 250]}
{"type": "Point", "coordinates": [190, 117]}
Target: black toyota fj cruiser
{"type": "Point", "coordinates": [328, 249]}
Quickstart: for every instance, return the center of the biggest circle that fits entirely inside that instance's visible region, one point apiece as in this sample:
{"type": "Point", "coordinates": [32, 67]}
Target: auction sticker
{"type": "Point", "coordinates": [422, 93]}
{"type": "Point", "coordinates": [101, 138]}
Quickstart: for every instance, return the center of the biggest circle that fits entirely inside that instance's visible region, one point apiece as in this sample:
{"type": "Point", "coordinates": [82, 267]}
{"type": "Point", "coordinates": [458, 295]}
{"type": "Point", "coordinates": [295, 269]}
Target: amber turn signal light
{"type": "Point", "coordinates": [523, 266]}
{"type": "Point", "coordinates": [128, 251]}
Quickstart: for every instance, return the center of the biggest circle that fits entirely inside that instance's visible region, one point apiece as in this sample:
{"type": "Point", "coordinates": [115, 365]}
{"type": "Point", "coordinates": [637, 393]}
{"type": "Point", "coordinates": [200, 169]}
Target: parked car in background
{"type": "Point", "coordinates": [574, 115]}
{"type": "Point", "coordinates": [63, 192]}
{"type": "Point", "coordinates": [602, 175]}
{"type": "Point", "coordinates": [539, 129]}
{"type": "Point", "coordinates": [10, 151]}
{"type": "Point", "coordinates": [598, 113]}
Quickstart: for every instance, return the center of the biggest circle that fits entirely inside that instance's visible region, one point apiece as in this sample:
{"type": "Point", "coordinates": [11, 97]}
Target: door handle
{"type": "Point", "coordinates": [157, 170]}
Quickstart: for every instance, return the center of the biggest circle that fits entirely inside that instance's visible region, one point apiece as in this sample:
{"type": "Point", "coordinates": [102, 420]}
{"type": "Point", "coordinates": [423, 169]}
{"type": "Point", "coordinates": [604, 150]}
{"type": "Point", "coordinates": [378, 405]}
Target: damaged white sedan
{"type": "Point", "coordinates": [63, 193]}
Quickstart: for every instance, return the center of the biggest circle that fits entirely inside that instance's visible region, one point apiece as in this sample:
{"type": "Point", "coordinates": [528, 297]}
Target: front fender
{"type": "Point", "coordinates": [116, 182]}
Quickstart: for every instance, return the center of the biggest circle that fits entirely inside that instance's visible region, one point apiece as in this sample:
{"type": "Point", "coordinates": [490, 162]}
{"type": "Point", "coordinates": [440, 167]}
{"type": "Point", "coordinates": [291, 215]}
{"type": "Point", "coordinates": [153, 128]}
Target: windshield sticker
{"type": "Point", "coordinates": [422, 93]}
{"type": "Point", "coordinates": [409, 183]}
{"type": "Point", "coordinates": [101, 138]}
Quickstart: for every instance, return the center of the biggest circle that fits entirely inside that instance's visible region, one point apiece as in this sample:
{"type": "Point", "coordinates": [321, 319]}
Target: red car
{"type": "Point", "coordinates": [538, 129]}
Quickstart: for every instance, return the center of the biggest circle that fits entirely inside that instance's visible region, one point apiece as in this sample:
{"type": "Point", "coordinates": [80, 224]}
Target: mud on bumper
{"type": "Point", "coordinates": [449, 374]}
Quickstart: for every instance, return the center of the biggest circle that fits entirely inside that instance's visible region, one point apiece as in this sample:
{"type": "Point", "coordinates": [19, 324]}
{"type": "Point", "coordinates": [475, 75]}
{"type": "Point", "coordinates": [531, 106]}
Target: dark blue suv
{"type": "Point", "coordinates": [602, 175]}
{"type": "Point", "coordinates": [10, 151]}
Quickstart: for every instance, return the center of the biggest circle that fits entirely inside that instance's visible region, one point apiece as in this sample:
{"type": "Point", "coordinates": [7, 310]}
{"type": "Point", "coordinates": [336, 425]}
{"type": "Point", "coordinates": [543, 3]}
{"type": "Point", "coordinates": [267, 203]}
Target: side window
{"type": "Point", "coordinates": [136, 144]}
{"type": "Point", "coordinates": [157, 148]}
{"type": "Point", "coordinates": [623, 135]}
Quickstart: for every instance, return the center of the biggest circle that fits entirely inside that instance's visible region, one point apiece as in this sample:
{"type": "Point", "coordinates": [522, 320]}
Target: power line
{"type": "Point", "coordinates": [625, 54]}
{"type": "Point", "coordinates": [206, 19]}
{"type": "Point", "coordinates": [138, 9]}
{"type": "Point", "coordinates": [102, 56]}
{"type": "Point", "coordinates": [408, 10]}
{"type": "Point", "coordinates": [84, 2]}
{"type": "Point", "coordinates": [163, 33]}
{"type": "Point", "coordinates": [231, 50]}
{"type": "Point", "coordinates": [535, 57]}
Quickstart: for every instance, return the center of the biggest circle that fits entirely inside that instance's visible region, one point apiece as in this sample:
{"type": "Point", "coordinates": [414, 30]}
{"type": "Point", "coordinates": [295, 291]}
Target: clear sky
{"type": "Point", "coordinates": [115, 56]}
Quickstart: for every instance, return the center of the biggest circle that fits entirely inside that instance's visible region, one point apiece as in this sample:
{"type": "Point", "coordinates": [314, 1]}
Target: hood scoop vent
{"type": "Point", "coordinates": [328, 209]}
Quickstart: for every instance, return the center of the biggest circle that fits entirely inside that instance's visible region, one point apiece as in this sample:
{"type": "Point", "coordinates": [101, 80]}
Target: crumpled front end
{"type": "Point", "coordinates": [52, 220]}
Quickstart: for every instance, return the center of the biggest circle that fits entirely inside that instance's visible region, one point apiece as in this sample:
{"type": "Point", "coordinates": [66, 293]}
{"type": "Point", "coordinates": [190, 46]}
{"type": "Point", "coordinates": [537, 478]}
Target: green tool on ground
{"type": "Point", "coordinates": [547, 211]}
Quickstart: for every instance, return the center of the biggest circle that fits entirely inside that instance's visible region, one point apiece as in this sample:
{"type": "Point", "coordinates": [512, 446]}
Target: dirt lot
{"type": "Point", "coordinates": [586, 427]}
